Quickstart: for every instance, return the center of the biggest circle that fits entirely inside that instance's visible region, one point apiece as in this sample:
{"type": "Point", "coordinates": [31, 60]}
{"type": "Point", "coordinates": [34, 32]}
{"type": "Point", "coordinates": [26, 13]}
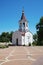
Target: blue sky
{"type": "Point", "coordinates": [11, 10]}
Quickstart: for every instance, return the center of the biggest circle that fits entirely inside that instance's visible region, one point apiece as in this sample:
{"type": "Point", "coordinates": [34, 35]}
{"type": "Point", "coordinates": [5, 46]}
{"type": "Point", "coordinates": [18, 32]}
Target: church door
{"type": "Point", "coordinates": [17, 41]}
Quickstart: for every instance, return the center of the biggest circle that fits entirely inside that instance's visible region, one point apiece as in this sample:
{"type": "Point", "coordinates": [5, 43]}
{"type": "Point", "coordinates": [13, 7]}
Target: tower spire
{"type": "Point", "coordinates": [23, 10]}
{"type": "Point", "coordinates": [23, 24]}
{"type": "Point", "coordinates": [23, 17]}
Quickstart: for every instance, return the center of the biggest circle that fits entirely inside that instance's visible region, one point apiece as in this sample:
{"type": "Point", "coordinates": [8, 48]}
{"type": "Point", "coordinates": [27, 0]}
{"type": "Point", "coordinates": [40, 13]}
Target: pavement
{"type": "Point", "coordinates": [21, 55]}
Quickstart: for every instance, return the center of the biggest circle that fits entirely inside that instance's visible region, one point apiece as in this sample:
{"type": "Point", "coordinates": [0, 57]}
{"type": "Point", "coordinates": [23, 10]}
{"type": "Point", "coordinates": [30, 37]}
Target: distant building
{"type": "Point", "coordinates": [23, 36]}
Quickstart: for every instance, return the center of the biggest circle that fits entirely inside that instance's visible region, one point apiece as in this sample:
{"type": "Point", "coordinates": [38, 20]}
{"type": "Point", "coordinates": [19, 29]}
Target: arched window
{"type": "Point", "coordinates": [23, 24]}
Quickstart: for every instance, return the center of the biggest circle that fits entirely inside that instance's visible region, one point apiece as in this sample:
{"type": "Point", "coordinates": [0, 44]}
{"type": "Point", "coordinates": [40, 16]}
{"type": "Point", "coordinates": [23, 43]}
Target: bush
{"type": "Point", "coordinates": [29, 44]}
{"type": "Point", "coordinates": [11, 44]}
{"type": "Point", "coordinates": [39, 43]}
{"type": "Point", "coordinates": [24, 45]}
{"type": "Point", "coordinates": [34, 43]}
{"type": "Point", "coordinates": [3, 46]}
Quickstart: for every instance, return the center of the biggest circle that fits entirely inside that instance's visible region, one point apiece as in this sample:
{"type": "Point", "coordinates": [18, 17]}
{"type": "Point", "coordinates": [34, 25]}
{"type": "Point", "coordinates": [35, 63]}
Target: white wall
{"type": "Point", "coordinates": [28, 38]}
{"type": "Point", "coordinates": [23, 40]}
{"type": "Point", "coordinates": [15, 36]}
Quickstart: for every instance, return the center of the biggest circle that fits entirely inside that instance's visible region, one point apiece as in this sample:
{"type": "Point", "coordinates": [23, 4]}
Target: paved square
{"type": "Point", "coordinates": [21, 55]}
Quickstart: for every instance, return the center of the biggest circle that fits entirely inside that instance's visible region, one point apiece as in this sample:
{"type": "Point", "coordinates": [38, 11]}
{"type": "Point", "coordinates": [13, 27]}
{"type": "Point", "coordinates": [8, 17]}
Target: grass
{"type": "Point", "coordinates": [3, 46]}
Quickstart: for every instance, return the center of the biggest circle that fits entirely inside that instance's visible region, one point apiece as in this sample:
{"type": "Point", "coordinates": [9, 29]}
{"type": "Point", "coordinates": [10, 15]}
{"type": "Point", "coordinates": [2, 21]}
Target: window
{"type": "Point", "coordinates": [23, 24]}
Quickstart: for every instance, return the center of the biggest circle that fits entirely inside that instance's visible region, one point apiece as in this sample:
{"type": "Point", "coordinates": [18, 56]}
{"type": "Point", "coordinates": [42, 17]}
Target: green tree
{"type": "Point", "coordinates": [35, 37]}
{"type": "Point", "coordinates": [10, 36]}
{"type": "Point", "coordinates": [3, 37]}
{"type": "Point", "coordinates": [39, 28]}
{"type": "Point", "coordinates": [6, 37]}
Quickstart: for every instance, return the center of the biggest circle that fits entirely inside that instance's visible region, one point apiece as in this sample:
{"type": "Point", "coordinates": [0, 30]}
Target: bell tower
{"type": "Point", "coordinates": [23, 23]}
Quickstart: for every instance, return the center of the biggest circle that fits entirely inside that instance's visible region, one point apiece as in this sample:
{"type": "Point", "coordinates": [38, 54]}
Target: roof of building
{"type": "Point", "coordinates": [23, 16]}
{"type": "Point", "coordinates": [23, 33]}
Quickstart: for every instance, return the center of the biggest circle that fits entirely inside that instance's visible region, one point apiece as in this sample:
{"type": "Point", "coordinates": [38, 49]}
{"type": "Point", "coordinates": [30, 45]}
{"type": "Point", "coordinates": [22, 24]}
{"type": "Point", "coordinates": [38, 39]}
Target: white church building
{"type": "Point", "coordinates": [22, 36]}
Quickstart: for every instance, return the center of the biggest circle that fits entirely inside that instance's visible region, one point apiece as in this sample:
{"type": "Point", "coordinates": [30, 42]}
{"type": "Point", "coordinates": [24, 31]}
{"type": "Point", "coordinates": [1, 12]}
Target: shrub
{"type": "Point", "coordinates": [24, 45]}
{"type": "Point", "coordinates": [39, 43]}
{"type": "Point", "coordinates": [11, 44]}
{"type": "Point", "coordinates": [29, 44]}
{"type": "Point", "coordinates": [34, 43]}
{"type": "Point", "coordinates": [3, 46]}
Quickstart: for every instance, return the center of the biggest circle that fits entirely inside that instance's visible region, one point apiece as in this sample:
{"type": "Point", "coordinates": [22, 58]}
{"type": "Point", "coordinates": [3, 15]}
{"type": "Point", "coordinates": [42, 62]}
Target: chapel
{"type": "Point", "coordinates": [22, 36]}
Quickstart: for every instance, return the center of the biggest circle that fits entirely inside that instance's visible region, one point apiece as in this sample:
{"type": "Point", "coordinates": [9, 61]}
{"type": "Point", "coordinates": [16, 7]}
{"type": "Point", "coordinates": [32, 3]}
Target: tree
{"type": "Point", "coordinates": [10, 36]}
{"type": "Point", "coordinates": [39, 28]}
{"type": "Point", "coordinates": [6, 37]}
{"type": "Point", "coordinates": [35, 37]}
